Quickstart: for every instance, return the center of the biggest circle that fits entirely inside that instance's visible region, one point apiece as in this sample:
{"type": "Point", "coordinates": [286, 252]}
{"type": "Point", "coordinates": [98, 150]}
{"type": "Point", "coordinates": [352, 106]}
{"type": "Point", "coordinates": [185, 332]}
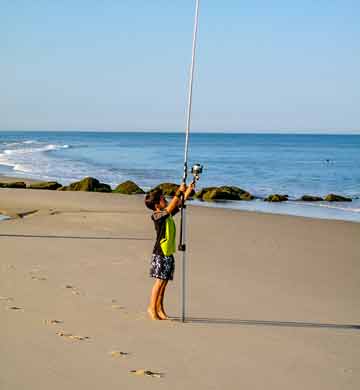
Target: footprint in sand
{"type": "Point", "coordinates": [34, 277]}
{"type": "Point", "coordinates": [116, 354]}
{"type": "Point", "coordinates": [73, 289]}
{"type": "Point", "coordinates": [143, 372]}
{"type": "Point", "coordinates": [53, 322]}
{"type": "Point", "coordinates": [70, 336]}
{"type": "Point", "coordinates": [16, 308]}
{"type": "Point", "coordinates": [117, 307]}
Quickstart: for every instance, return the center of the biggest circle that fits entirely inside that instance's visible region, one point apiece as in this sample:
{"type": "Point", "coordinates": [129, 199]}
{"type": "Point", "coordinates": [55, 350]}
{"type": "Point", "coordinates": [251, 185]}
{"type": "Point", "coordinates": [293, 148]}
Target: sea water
{"type": "Point", "coordinates": [262, 164]}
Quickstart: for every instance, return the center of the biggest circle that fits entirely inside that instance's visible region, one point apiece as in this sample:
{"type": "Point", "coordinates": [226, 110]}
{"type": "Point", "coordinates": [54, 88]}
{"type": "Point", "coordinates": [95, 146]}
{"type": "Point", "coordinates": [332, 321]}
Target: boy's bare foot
{"type": "Point", "coordinates": [162, 315]}
{"type": "Point", "coordinates": [152, 314]}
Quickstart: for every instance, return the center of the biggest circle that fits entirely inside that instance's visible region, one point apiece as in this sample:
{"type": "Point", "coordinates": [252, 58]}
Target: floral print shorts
{"type": "Point", "coordinates": [162, 267]}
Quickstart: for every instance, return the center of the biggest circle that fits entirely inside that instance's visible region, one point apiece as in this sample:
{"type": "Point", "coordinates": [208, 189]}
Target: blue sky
{"type": "Point", "coordinates": [123, 65]}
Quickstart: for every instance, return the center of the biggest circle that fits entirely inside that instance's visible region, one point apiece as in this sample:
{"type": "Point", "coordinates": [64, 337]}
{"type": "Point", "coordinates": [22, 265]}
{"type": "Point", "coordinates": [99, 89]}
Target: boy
{"type": "Point", "coordinates": [163, 262]}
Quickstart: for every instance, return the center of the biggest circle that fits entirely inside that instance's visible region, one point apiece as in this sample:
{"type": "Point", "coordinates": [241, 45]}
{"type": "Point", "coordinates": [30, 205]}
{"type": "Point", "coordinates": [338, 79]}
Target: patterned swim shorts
{"type": "Point", "coordinates": [162, 267]}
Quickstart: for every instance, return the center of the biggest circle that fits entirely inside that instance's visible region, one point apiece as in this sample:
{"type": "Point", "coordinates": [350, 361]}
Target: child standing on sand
{"type": "Point", "coordinates": [163, 262]}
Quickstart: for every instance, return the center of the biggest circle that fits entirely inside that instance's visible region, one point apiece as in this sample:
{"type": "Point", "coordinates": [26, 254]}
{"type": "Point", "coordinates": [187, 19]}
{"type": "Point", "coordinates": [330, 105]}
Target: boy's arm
{"type": "Point", "coordinates": [175, 202]}
{"type": "Point", "coordinates": [189, 191]}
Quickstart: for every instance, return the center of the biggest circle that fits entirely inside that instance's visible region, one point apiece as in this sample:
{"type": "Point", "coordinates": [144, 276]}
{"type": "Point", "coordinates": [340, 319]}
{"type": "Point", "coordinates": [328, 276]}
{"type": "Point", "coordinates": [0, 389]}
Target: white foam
{"type": "Point", "coordinates": [338, 207]}
{"type": "Point", "coordinates": [26, 159]}
{"type": "Point", "coordinates": [45, 148]}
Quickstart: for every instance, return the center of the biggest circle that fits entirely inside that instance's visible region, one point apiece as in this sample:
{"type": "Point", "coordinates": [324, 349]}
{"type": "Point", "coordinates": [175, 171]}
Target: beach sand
{"type": "Point", "coordinates": [82, 259]}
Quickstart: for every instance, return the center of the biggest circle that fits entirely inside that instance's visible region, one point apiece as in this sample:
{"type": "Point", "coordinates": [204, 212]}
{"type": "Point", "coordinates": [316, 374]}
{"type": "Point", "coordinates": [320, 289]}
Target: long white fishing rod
{"type": "Point", "coordinates": [182, 246]}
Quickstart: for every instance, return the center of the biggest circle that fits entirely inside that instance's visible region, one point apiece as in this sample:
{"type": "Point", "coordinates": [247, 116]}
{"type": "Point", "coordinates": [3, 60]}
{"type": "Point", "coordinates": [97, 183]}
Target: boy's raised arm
{"type": "Point", "coordinates": [176, 200]}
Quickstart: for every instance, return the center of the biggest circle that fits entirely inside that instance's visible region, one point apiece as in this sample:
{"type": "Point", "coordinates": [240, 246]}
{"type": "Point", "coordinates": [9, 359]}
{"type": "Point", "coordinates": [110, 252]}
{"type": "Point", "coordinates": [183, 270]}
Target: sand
{"type": "Point", "coordinates": [269, 298]}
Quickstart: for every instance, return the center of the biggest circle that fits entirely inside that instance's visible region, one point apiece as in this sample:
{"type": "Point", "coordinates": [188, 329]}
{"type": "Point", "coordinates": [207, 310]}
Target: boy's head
{"type": "Point", "coordinates": [155, 199]}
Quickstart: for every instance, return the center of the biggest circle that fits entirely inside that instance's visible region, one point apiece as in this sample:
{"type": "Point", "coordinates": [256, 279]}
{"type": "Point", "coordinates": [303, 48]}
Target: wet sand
{"type": "Point", "coordinates": [272, 301]}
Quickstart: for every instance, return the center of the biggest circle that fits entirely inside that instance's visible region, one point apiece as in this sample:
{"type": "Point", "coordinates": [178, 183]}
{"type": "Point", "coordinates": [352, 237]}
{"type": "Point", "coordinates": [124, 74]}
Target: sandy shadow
{"type": "Point", "coordinates": [74, 237]}
{"type": "Point", "coordinates": [291, 324]}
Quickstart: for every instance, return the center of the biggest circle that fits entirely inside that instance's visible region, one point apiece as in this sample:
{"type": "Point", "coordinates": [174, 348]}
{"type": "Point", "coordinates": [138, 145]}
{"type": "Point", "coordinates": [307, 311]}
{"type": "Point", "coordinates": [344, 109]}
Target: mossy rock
{"type": "Point", "coordinates": [128, 188]}
{"type": "Point", "coordinates": [14, 184]}
{"type": "Point", "coordinates": [225, 193]}
{"type": "Point", "coordinates": [337, 198]}
{"type": "Point", "coordinates": [199, 195]}
{"type": "Point", "coordinates": [311, 198]}
{"type": "Point", "coordinates": [89, 184]}
{"type": "Point", "coordinates": [168, 189]}
{"type": "Point", "coordinates": [45, 185]}
{"type": "Point", "coordinates": [276, 198]}
{"type": "Point", "coordinates": [247, 196]}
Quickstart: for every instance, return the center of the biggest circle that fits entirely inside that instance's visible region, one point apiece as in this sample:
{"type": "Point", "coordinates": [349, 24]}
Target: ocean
{"type": "Point", "coordinates": [259, 163]}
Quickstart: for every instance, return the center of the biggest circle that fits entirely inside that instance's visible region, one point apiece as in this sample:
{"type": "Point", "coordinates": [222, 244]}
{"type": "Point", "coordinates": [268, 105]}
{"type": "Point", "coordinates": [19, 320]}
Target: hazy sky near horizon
{"type": "Point", "coordinates": [123, 65]}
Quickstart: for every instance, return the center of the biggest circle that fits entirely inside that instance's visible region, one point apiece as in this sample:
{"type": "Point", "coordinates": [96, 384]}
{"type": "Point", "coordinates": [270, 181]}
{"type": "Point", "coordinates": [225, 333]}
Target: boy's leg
{"type": "Point", "coordinates": [154, 298]}
{"type": "Point", "coordinates": [160, 303]}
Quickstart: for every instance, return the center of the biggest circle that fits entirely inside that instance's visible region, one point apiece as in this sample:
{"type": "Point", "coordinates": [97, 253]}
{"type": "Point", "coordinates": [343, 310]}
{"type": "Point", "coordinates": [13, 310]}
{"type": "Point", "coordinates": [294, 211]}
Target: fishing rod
{"type": "Point", "coordinates": [196, 169]}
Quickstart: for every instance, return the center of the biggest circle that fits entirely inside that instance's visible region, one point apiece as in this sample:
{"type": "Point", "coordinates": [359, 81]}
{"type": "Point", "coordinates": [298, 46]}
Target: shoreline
{"type": "Point", "coordinates": [319, 210]}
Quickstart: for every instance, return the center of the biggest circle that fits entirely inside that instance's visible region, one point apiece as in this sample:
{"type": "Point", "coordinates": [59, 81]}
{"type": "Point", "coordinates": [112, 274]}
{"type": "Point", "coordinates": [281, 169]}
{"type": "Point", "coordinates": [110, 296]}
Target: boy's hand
{"type": "Point", "coordinates": [190, 191]}
{"type": "Point", "coordinates": [182, 187]}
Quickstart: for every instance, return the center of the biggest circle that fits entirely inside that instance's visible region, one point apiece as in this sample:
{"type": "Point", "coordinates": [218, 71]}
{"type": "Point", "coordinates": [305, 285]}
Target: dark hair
{"type": "Point", "coordinates": [153, 198]}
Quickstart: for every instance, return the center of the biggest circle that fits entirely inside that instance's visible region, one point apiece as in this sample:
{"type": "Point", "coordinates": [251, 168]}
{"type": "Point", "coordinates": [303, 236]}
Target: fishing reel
{"type": "Point", "coordinates": [196, 171]}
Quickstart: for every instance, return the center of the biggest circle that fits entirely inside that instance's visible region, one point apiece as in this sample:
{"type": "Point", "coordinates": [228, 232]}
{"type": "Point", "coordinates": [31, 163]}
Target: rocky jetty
{"type": "Point", "coordinates": [311, 198]}
{"type": "Point", "coordinates": [168, 189]}
{"type": "Point", "coordinates": [337, 198]}
{"type": "Point", "coordinates": [89, 184]}
{"type": "Point", "coordinates": [14, 184]}
{"type": "Point", "coordinates": [276, 198]}
{"type": "Point", "coordinates": [128, 188]}
{"type": "Point", "coordinates": [200, 194]}
{"type": "Point", "coordinates": [223, 193]}
{"type": "Point", "coordinates": [45, 185]}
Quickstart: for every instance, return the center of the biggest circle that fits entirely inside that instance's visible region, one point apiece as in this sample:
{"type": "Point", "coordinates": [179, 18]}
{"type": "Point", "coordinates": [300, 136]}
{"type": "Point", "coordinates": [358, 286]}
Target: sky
{"type": "Point", "coordinates": [123, 65]}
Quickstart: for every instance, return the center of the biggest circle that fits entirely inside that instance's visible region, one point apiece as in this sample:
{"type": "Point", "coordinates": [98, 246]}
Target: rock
{"type": "Point", "coordinates": [247, 196]}
{"type": "Point", "coordinates": [87, 184]}
{"type": "Point", "coordinates": [128, 188]}
{"type": "Point", "coordinates": [168, 189]}
{"type": "Point", "coordinates": [45, 185]}
{"type": "Point", "coordinates": [276, 198]}
{"type": "Point", "coordinates": [311, 198]}
{"type": "Point", "coordinates": [224, 193]}
{"type": "Point", "coordinates": [199, 195]}
{"type": "Point", "coordinates": [14, 184]}
{"type": "Point", "coordinates": [337, 198]}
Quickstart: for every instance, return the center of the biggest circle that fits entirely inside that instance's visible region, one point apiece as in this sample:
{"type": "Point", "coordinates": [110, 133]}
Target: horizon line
{"type": "Point", "coordinates": [247, 132]}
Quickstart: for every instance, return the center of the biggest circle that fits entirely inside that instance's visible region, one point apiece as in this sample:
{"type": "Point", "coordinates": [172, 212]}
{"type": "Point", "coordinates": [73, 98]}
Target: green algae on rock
{"type": "Point", "coordinates": [223, 193]}
{"type": "Point", "coordinates": [337, 198]}
{"type": "Point", "coordinates": [276, 198]}
{"type": "Point", "coordinates": [128, 188]}
{"type": "Point", "coordinates": [199, 195]}
{"type": "Point", "coordinates": [89, 184]}
{"type": "Point", "coordinates": [168, 189]}
{"type": "Point", "coordinates": [311, 198]}
{"type": "Point", "coordinates": [14, 184]}
{"type": "Point", "coordinates": [45, 185]}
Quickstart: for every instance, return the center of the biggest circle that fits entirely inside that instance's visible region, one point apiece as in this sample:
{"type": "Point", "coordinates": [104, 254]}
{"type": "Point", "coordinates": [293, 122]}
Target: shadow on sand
{"type": "Point", "coordinates": [291, 324]}
{"type": "Point", "coordinates": [75, 237]}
